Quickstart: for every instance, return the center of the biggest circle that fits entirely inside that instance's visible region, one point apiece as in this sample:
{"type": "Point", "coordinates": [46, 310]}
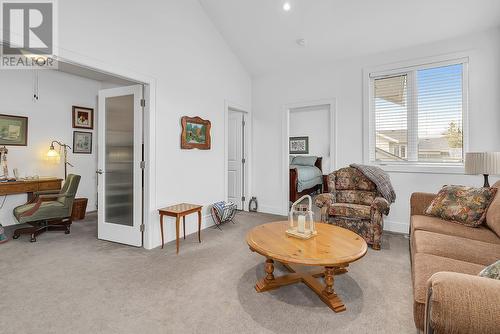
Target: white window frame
{"type": "Point", "coordinates": [369, 74]}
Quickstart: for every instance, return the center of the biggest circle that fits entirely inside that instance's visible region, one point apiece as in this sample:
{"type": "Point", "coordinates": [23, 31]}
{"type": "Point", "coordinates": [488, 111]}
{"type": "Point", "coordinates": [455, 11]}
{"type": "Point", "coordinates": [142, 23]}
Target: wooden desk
{"type": "Point", "coordinates": [29, 187]}
{"type": "Point", "coordinates": [178, 211]}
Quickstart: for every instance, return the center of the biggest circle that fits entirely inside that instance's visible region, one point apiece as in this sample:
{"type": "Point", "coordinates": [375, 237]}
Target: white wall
{"type": "Point", "coordinates": [50, 118]}
{"type": "Point", "coordinates": [195, 71]}
{"type": "Point", "coordinates": [314, 123]}
{"type": "Point", "coordinates": [343, 80]}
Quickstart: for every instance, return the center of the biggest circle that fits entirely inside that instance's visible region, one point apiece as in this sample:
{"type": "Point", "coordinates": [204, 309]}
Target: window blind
{"type": "Point", "coordinates": [417, 115]}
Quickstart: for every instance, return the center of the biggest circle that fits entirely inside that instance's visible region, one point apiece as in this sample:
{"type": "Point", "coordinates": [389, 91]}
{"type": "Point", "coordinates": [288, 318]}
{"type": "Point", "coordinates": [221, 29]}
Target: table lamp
{"type": "Point", "coordinates": [486, 163]}
{"type": "Point", "coordinates": [54, 156]}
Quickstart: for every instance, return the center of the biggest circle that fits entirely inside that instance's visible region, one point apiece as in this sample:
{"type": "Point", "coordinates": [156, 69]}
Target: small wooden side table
{"type": "Point", "coordinates": [178, 211]}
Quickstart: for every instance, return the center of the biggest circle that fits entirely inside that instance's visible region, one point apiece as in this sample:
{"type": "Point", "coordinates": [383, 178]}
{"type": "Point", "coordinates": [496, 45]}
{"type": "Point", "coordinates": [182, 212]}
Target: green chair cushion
{"type": "Point", "coordinates": [47, 210]}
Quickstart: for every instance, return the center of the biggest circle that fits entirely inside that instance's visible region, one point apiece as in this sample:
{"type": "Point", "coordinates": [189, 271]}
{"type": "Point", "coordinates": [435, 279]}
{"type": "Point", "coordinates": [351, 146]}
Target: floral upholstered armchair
{"type": "Point", "coordinates": [353, 202]}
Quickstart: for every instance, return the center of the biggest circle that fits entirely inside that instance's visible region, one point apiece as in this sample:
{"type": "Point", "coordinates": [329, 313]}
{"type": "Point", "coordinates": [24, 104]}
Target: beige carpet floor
{"type": "Point", "coordinates": [78, 284]}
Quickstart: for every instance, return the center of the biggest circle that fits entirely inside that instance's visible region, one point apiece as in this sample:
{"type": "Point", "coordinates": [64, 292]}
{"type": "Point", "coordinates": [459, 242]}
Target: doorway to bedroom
{"type": "Point", "coordinates": [309, 150]}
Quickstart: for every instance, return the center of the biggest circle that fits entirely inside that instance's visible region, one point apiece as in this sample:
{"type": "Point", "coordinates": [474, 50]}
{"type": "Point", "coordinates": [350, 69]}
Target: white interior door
{"type": "Point", "coordinates": [119, 165]}
{"type": "Point", "coordinates": [235, 182]}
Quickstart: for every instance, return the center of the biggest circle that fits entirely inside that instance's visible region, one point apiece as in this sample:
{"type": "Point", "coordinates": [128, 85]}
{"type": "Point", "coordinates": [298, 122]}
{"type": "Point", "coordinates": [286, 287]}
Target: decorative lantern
{"type": "Point", "coordinates": [301, 220]}
{"type": "Point", "coordinates": [252, 205]}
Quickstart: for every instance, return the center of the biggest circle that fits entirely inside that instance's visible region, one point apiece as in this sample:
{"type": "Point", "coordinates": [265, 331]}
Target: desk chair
{"type": "Point", "coordinates": [48, 211]}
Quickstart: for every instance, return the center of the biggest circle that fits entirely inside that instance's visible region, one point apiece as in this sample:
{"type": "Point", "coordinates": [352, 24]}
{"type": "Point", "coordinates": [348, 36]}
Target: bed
{"type": "Point", "coordinates": [306, 176]}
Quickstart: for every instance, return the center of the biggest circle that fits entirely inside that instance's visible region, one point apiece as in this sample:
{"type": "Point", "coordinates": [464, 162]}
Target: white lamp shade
{"type": "Point", "coordinates": [482, 163]}
{"type": "Point", "coordinates": [53, 156]}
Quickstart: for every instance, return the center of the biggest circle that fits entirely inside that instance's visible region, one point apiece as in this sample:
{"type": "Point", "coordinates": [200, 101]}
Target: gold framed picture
{"type": "Point", "coordinates": [195, 133]}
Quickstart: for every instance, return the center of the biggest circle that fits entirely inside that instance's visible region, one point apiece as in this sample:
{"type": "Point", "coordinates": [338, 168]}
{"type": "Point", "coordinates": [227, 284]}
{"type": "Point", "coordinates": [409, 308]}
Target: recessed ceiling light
{"type": "Point", "coordinates": [287, 6]}
{"type": "Point", "coordinates": [301, 42]}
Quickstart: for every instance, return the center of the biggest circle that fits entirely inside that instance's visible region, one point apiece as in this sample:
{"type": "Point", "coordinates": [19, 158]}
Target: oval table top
{"type": "Point", "coordinates": [332, 246]}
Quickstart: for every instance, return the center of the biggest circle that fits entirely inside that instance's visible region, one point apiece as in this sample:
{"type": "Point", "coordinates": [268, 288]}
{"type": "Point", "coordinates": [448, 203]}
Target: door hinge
{"type": "Point", "coordinates": [243, 160]}
{"type": "Point", "coordinates": [243, 122]}
{"type": "Point", "coordinates": [243, 198]}
{"type": "Point", "coordinates": [143, 164]}
{"type": "Point", "coordinates": [143, 103]}
{"type": "Point", "coordinates": [142, 227]}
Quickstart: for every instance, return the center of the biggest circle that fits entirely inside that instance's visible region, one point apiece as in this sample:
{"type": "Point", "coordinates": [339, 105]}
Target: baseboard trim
{"type": "Point", "coordinates": [396, 227]}
{"type": "Point", "coordinates": [270, 209]}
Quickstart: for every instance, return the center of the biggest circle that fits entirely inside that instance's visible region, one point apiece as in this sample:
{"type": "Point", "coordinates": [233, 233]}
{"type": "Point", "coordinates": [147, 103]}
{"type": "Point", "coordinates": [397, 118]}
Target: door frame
{"type": "Point", "coordinates": [228, 106]}
{"type": "Point", "coordinates": [149, 129]}
{"type": "Point", "coordinates": [285, 186]}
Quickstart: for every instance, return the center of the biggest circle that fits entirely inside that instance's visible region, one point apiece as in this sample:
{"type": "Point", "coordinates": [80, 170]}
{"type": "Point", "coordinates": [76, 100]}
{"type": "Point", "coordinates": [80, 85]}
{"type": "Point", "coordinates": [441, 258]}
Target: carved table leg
{"type": "Point", "coordinates": [269, 282]}
{"type": "Point", "coordinates": [269, 270]}
{"type": "Point", "coordinates": [328, 295]}
{"type": "Point", "coordinates": [329, 280]}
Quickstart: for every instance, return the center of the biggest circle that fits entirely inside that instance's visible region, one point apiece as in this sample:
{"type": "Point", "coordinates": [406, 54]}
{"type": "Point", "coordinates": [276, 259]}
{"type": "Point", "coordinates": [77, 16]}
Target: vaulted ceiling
{"type": "Point", "coordinates": [264, 36]}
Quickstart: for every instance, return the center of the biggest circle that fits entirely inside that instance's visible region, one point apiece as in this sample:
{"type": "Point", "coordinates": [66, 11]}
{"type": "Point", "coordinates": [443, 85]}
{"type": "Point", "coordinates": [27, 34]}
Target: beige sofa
{"type": "Point", "coordinates": [446, 258]}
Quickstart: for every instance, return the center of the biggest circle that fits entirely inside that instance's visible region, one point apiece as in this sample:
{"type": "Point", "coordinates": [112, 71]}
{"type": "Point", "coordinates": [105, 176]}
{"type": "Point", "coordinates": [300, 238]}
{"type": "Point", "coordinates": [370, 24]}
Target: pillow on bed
{"type": "Point", "coordinates": [305, 160]}
{"type": "Point", "coordinates": [291, 159]}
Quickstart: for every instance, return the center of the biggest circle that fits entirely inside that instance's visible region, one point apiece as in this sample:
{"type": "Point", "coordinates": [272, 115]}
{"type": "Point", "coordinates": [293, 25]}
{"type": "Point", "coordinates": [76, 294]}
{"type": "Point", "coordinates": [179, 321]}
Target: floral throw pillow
{"type": "Point", "coordinates": [491, 271]}
{"type": "Point", "coordinates": [462, 205]}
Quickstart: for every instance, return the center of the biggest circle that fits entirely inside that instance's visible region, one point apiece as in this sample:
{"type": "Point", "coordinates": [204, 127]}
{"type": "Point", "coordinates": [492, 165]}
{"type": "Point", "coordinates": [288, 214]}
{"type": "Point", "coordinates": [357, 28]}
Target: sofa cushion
{"type": "Point", "coordinates": [493, 213]}
{"type": "Point", "coordinates": [461, 204]}
{"type": "Point", "coordinates": [433, 224]}
{"type": "Point", "coordinates": [350, 178]}
{"type": "Point", "coordinates": [454, 247]}
{"type": "Point", "coordinates": [491, 271]}
{"type": "Point", "coordinates": [355, 196]}
{"type": "Point", "coordinates": [349, 210]}
{"type": "Point", "coordinates": [424, 266]}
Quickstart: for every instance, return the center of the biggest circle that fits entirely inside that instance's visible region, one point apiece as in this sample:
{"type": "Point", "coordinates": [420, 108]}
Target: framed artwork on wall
{"type": "Point", "coordinates": [83, 118]}
{"type": "Point", "coordinates": [82, 142]}
{"type": "Point", "coordinates": [13, 130]}
{"type": "Point", "coordinates": [195, 133]}
{"type": "Point", "coordinates": [299, 145]}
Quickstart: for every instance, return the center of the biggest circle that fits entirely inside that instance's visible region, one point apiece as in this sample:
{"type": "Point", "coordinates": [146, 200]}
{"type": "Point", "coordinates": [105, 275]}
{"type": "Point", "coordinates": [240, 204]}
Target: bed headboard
{"type": "Point", "coordinates": [318, 163]}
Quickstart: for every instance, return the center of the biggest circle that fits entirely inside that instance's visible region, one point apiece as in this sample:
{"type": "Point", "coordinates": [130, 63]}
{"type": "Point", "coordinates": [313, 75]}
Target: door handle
{"type": "Point", "coordinates": [99, 171]}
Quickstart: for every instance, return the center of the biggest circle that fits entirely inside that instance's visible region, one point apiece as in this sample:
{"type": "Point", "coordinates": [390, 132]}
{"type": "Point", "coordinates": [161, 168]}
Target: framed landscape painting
{"type": "Point", "coordinates": [13, 130]}
{"type": "Point", "coordinates": [83, 118]}
{"type": "Point", "coordinates": [195, 133]}
{"type": "Point", "coordinates": [299, 145]}
{"type": "Point", "coordinates": [82, 142]}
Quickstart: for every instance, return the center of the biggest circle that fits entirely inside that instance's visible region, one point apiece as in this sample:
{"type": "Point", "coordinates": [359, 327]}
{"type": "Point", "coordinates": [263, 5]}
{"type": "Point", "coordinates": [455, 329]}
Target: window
{"type": "Point", "coordinates": [417, 114]}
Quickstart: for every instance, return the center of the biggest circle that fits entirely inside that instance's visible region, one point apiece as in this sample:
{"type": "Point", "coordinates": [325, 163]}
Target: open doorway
{"type": "Point", "coordinates": [308, 150]}
{"type": "Point", "coordinates": [237, 179]}
{"type": "Point", "coordinates": [65, 113]}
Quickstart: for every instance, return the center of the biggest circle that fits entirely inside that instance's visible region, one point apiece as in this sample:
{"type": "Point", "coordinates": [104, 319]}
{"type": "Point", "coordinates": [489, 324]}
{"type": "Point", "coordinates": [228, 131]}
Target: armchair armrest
{"type": "Point", "coordinates": [381, 204]}
{"type": "Point", "coordinates": [461, 303]}
{"type": "Point", "coordinates": [325, 199]}
{"type": "Point", "coordinates": [419, 202]}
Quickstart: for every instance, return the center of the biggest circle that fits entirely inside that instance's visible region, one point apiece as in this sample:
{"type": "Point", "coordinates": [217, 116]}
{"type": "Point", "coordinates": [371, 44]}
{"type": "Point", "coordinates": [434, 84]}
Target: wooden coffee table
{"type": "Point", "coordinates": [332, 250]}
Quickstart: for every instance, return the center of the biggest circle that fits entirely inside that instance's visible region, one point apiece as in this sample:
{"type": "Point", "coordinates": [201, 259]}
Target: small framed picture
{"type": "Point", "coordinates": [82, 142]}
{"type": "Point", "coordinates": [83, 118]}
{"type": "Point", "coordinates": [13, 130]}
{"type": "Point", "coordinates": [299, 145]}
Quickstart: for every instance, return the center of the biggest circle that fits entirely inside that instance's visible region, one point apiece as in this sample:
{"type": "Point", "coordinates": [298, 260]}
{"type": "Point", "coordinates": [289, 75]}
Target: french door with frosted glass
{"type": "Point", "coordinates": [119, 170]}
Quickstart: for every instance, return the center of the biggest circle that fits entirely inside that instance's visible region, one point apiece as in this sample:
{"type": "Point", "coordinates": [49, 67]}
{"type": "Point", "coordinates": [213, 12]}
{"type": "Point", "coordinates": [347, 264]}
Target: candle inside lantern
{"type": "Point", "coordinates": [301, 226]}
